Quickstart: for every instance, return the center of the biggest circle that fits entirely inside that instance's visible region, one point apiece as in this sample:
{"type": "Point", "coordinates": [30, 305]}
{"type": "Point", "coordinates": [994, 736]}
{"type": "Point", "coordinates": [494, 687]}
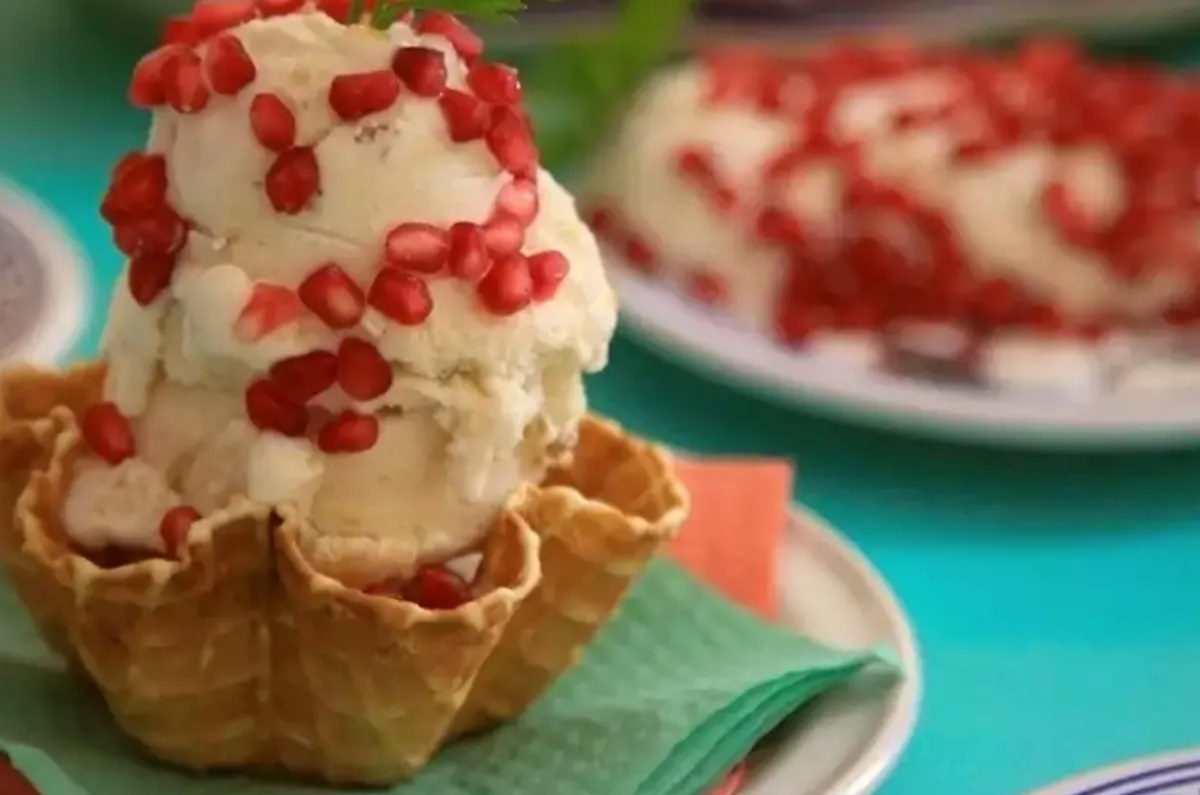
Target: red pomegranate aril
{"type": "Point", "coordinates": [707, 287]}
{"type": "Point", "coordinates": [107, 432]}
{"type": "Point", "coordinates": [354, 96]}
{"type": "Point", "coordinates": [508, 286]}
{"type": "Point", "coordinates": [422, 69]}
{"type": "Point", "coordinates": [269, 409]}
{"type": "Point", "coordinates": [796, 324]}
{"type": "Point", "coordinates": [179, 30]}
{"type": "Point", "coordinates": [183, 83]}
{"type": "Point", "coordinates": [602, 221]}
{"type": "Point", "coordinates": [776, 225]}
{"type": "Point", "coordinates": [519, 199]}
{"type": "Point", "coordinates": [418, 247]}
{"type": "Point", "coordinates": [160, 231]}
{"type": "Point", "coordinates": [273, 123]}
{"type": "Point", "coordinates": [547, 270]}
{"type": "Point", "coordinates": [275, 8]}
{"type": "Point", "coordinates": [511, 143]}
{"type": "Point", "coordinates": [695, 162]}
{"type": "Point", "coordinates": [400, 296]}
{"type": "Point", "coordinates": [362, 372]}
{"type": "Point", "coordinates": [228, 65]}
{"type": "Point", "coordinates": [147, 88]}
{"type": "Point", "coordinates": [1046, 319]}
{"type": "Point", "coordinates": [293, 180]}
{"type": "Point", "coordinates": [210, 17]}
{"type": "Point", "coordinates": [436, 588]}
{"type": "Point", "coordinates": [301, 378]}
{"type": "Point", "coordinates": [858, 314]}
{"type": "Point", "coordinates": [330, 294]}
{"type": "Point", "coordinates": [269, 307]}
{"type": "Point", "coordinates": [503, 236]}
{"type": "Point", "coordinates": [1070, 220]}
{"type": "Point", "coordinates": [995, 302]}
{"type": "Point", "coordinates": [139, 187]}
{"type": "Point", "coordinates": [349, 432]}
{"type": "Point", "coordinates": [639, 254]}
{"type": "Point", "coordinates": [495, 84]}
{"type": "Point", "coordinates": [149, 275]}
{"type": "Point", "coordinates": [468, 257]}
{"type": "Point", "coordinates": [466, 117]}
{"type": "Point", "coordinates": [442, 23]}
{"type": "Point", "coordinates": [174, 527]}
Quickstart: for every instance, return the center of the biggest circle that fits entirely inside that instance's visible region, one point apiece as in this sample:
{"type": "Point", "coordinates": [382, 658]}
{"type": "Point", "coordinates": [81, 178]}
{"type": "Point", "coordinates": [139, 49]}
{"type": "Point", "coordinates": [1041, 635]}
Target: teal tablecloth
{"type": "Point", "coordinates": [1057, 598]}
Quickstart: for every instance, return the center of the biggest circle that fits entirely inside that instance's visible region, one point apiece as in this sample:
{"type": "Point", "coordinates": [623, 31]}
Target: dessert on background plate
{"type": "Point", "coordinates": [1021, 220]}
{"type": "Point", "coordinates": [330, 497]}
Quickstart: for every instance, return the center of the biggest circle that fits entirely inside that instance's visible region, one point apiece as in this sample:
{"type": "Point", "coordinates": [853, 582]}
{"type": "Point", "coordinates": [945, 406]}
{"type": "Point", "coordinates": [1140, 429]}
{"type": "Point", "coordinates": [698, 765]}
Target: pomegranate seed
{"type": "Point", "coordinates": [418, 247]}
{"type": "Point", "coordinates": [183, 81]}
{"type": "Point", "coordinates": [149, 275]}
{"type": "Point", "coordinates": [495, 84]}
{"type": "Point", "coordinates": [349, 432]}
{"type": "Point", "coordinates": [293, 180]}
{"type": "Point", "coordinates": [269, 409]}
{"type": "Point", "coordinates": [508, 286]}
{"type": "Point", "coordinates": [160, 231]}
{"type": "Point", "coordinates": [139, 187]}
{"type": "Point", "coordinates": [362, 372]}
{"type": "Point", "coordinates": [423, 70]}
{"type": "Point", "coordinates": [273, 123]}
{"type": "Point", "coordinates": [301, 378]}
{"type": "Point", "coordinates": [269, 307]}
{"type": "Point", "coordinates": [695, 163]}
{"type": "Point", "coordinates": [441, 23]}
{"type": "Point", "coordinates": [107, 432]}
{"type": "Point", "coordinates": [775, 225]}
{"type": "Point", "coordinates": [179, 30]}
{"type": "Point", "coordinates": [995, 302]}
{"type": "Point", "coordinates": [640, 255]}
{"type": "Point", "coordinates": [796, 324]}
{"type": "Point", "coordinates": [175, 525]}
{"type": "Point", "coordinates": [519, 199]}
{"type": "Point", "coordinates": [602, 221]}
{"type": "Point", "coordinates": [400, 296]}
{"type": "Point", "coordinates": [547, 270]}
{"type": "Point", "coordinates": [504, 236]}
{"type": "Point", "coordinates": [466, 117]}
{"type": "Point", "coordinates": [510, 142]}
{"type": "Point", "coordinates": [436, 588]}
{"type": "Point", "coordinates": [210, 17]}
{"type": "Point", "coordinates": [1071, 221]}
{"type": "Point", "coordinates": [354, 96]}
{"type": "Point", "coordinates": [228, 65]}
{"type": "Point", "coordinates": [708, 288]}
{"type": "Point", "coordinates": [275, 8]}
{"type": "Point", "coordinates": [333, 296]}
{"type": "Point", "coordinates": [148, 87]}
{"type": "Point", "coordinates": [468, 256]}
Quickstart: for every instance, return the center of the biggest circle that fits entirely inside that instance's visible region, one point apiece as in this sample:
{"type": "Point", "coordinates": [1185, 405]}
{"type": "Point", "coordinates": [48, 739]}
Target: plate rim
{"type": "Point", "coordinates": [1093, 781]}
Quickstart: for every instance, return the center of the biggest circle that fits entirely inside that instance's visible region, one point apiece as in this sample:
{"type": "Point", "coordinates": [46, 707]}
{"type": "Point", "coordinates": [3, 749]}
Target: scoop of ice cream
{"type": "Point", "coordinates": [114, 505]}
{"type": "Point", "coordinates": [377, 306]}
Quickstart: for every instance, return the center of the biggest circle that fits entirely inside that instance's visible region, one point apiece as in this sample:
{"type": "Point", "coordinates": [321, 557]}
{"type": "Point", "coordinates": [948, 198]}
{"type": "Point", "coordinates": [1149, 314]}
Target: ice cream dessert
{"type": "Point", "coordinates": [344, 361]}
{"type": "Point", "coordinates": [865, 187]}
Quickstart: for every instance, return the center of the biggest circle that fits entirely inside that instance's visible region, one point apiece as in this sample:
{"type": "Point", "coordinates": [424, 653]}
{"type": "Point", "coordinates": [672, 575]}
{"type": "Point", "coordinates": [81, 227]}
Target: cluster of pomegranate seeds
{"type": "Point", "coordinates": [432, 587]}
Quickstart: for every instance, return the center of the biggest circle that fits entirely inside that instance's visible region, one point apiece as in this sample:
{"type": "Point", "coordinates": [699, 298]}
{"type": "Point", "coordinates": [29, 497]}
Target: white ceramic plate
{"type": "Point", "coordinates": [847, 742]}
{"type": "Point", "coordinates": [1160, 408]}
{"type": "Point", "coordinates": [1169, 774]}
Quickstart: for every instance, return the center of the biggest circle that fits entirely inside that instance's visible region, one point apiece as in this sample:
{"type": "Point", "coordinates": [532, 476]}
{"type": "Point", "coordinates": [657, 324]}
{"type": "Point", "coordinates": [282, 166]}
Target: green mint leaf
{"type": "Point", "coordinates": [356, 11]}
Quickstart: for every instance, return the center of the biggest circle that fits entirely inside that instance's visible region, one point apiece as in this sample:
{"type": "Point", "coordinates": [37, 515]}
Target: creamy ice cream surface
{"type": "Point", "coordinates": [351, 288]}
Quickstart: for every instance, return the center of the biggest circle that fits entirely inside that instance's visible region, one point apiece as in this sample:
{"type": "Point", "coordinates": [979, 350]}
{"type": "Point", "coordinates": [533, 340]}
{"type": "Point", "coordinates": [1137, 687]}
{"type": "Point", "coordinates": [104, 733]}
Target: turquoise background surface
{"type": "Point", "coordinates": [1056, 597]}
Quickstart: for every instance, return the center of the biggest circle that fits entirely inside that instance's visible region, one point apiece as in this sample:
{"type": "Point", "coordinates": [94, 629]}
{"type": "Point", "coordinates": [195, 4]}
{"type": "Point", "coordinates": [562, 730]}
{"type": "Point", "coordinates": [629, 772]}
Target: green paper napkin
{"type": "Point", "coordinates": [672, 694]}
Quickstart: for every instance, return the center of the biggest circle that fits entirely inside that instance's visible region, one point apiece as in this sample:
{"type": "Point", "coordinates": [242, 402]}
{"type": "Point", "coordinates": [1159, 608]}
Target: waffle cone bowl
{"type": "Point", "coordinates": [240, 655]}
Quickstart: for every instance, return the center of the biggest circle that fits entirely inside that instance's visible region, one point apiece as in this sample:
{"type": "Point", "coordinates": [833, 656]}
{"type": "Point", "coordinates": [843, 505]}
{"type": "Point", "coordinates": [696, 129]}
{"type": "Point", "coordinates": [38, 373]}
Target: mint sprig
{"type": "Point", "coordinates": [388, 11]}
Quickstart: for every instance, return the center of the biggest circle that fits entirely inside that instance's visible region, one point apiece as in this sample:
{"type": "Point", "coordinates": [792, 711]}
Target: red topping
{"type": "Point", "coordinates": [179, 30]}
{"type": "Point", "coordinates": [149, 275]}
{"type": "Point", "coordinates": [293, 180]}
{"type": "Point", "coordinates": [159, 231]}
{"type": "Point", "coordinates": [183, 82]}
{"type": "Point", "coordinates": [349, 432]}
{"type": "Point", "coordinates": [175, 525]}
{"type": "Point", "coordinates": [639, 254]}
{"type": "Point", "coordinates": [228, 65]}
{"type": "Point", "coordinates": [508, 286]}
{"type": "Point", "coordinates": [511, 143]}
{"type": "Point", "coordinates": [436, 588]}
{"type": "Point", "coordinates": [210, 17]}
{"type": "Point", "coordinates": [441, 23]}
{"type": "Point", "coordinates": [107, 432]}
{"type": "Point", "coordinates": [468, 259]}
{"type": "Point", "coordinates": [362, 371]}
{"type": "Point", "coordinates": [504, 236]}
{"type": "Point", "coordinates": [602, 221]}
{"type": "Point", "coordinates": [423, 70]}
{"type": "Point", "coordinates": [417, 247]}
{"type": "Point", "coordinates": [139, 187]}
{"type": "Point", "coordinates": [707, 287]}
{"type": "Point", "coordinates": [148, 87]}
{"type": "Point", "coordinates": [1073, 224]}
{"type": "Point", "coordinates": [401, 297]}
{"type": "Point", "coordinates": [275, 8]}
{"type": "Point", "coordinates": [466, 117]}
{"type": "Point", "coordinates": [270, 409]}
{"type": "Point", "coordinates": [354, 96]}
{"type": "Point", "coordinates": [269, 307]}
{"type": "Point", "coordinates": [495, 83]}
{"type": "Point", "coordinates": [519, 199]}
{"type": "Point", "coordinates": [333, 296]}
{"type": "Point", "coordinates": [547, 270]}
{"type": "Point", "coordinates": [304, 377]}
{"type": "Point", "coordinates": [273, 122]}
